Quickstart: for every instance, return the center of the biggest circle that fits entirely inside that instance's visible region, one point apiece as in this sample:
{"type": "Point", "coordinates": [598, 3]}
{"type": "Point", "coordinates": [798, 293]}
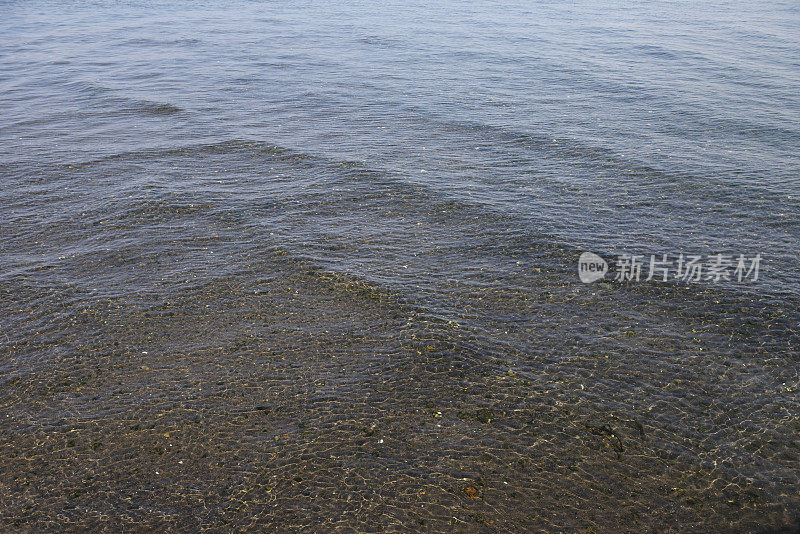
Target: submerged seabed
{"type": "Point", "coordinates": [198, 353]}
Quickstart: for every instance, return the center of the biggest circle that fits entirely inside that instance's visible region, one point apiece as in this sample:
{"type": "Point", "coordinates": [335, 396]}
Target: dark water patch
{"type": "Point", "coordinates": [155, 108]}
{"type": "Point", "coordinates": [381, 41]}
{"type": "Point", "coordinates": [221, 148]}
{"type": "Point", "coordinates": [158, 43]}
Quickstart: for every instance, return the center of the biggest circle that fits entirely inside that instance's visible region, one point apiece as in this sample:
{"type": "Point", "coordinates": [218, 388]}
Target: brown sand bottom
{"type": "Point", "coordinates": [280, 406]}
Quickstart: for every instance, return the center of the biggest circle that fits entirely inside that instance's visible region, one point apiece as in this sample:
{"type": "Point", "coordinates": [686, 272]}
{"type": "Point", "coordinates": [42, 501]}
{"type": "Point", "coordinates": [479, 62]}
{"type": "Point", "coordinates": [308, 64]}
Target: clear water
{"type": "Point", "coordinates": [324, 254]}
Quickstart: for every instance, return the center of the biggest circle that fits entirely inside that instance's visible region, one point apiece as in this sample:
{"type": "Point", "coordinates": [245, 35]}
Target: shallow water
{"type": "Point", "coordinates": [284, 266]}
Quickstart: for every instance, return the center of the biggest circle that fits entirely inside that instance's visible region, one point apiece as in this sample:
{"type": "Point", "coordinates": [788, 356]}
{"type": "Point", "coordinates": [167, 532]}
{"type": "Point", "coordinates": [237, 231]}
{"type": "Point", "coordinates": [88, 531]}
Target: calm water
{"type": "Point", "coordinates": [313, 265]}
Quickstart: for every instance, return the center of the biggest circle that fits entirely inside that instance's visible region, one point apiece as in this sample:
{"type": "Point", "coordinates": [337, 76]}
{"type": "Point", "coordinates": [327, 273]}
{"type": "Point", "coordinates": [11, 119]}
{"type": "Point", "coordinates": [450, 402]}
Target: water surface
{"type": "Point", "coordinates": [314, 265]}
